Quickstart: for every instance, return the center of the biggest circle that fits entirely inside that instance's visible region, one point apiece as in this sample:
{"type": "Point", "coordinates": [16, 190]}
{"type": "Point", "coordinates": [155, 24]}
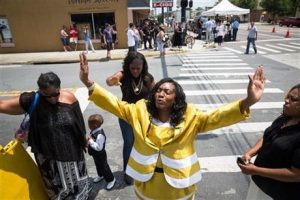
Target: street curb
{"type": "Point", "coordinates": [67, 59]}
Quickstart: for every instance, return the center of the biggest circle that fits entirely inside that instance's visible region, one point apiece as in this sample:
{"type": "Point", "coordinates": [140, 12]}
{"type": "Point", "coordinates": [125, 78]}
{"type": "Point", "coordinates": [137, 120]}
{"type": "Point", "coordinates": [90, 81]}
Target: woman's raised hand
{"type": "Point", "coordinates": [255, 88]}
{"type": "Point", "coordinates": [256, 85]}
{"type": "Point", "coordinates": [84, 70]}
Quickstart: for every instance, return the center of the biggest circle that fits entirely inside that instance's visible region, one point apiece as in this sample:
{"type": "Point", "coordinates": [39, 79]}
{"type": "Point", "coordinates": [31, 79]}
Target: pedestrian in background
{"type": "Point", "coordinates": [163, 160]}
{"type": "Point", "coordinates": [160, 41]}
{"type": "Point", "coordinates": [235, 27]}
{"type": "Point", "coordinates": [137, 37]}
{"type": "Point", "coordinates": [64, 37]}
{"type": "Point", "coordinates": [114, 36]}
{"type": "Point", "coordinates": [135, 82]}
{"type": "Point", "coordinates": [252, 37]}
{"type": "Point", "coordinates": [73, 32]}
{"type": "Point", "coordinates": [220, 32]}
{"type": "Point", "coordinates": [96, 148]}
{"type": "Point", "coordinates": [108, 39]}
{"type": "Point", "coordinates": [208, 30]}
{"type": "Point", "coordinates": [56, 137]}
{"type": "Point", "coordinates": [276, 169]}
{"type": "Point", "coordinates": [87, 39]}
{"type": "Point", "coordinates": [131, 37]}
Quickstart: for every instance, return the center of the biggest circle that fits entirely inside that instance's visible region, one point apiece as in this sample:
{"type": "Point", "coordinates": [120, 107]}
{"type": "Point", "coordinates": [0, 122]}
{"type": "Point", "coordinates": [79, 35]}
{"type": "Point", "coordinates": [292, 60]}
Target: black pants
{"type": "Point", "coordinates": [102, 166]}
{"type": "Point", "coordinates": [234, 32]}
{"type": "Point", "coordinates": [147, 38]}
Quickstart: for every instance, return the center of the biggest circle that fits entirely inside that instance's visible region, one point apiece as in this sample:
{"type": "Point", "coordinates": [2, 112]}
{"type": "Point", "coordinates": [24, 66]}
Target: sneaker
{"type": "Point", "coordinates": [111, 184]}
{"type": "Point", "coordinates": [246, 53]}
{"type": "Point", "coordinates": [97, 179]}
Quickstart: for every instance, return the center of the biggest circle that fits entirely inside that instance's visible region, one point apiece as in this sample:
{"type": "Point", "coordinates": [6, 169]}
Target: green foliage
{"type": "Point", "coordinates": [198, 11]}
{"type": "Point", "coordinates": [160, 18]}
{"type": "Point", "coordinates": [249, 4]}
{"type": "Point", "coordinates": [280, 7]}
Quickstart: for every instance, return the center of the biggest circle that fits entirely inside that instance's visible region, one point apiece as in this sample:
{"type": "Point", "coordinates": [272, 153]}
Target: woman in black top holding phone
{"type": "Point", "coordinates": [276, 170]}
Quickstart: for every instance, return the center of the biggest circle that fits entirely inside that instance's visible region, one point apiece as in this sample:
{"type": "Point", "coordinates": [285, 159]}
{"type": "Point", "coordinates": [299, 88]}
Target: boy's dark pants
{"type": "Point", "coordinates": [102, 166]}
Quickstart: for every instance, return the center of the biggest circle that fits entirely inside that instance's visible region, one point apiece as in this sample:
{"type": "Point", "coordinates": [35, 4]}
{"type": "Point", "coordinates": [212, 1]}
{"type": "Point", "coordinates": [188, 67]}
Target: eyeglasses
{"type": "Point", "coordinates": [50, 95]}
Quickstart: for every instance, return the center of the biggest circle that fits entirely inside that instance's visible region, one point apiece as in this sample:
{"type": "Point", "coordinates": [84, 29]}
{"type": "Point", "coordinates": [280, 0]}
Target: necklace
{"type": "Point", "coordinates": [137, 88]}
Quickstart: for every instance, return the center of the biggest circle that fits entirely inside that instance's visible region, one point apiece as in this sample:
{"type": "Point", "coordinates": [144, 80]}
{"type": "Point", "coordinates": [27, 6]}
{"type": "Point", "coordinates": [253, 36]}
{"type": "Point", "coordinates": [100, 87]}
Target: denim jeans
{"type": "Point", "coordinates": [128, 138]}
{"type": "Point", "coordinates": [252, 41]}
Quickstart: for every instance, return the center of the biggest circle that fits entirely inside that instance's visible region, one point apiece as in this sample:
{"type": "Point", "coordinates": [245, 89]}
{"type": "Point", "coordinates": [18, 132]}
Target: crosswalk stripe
{"type": "Point", "coordinates": [226, 91]}
{"type": "Point", "coordinates": [277, 47]}
{"type": "Point", "coordinates": [268, 49]}
{"type": "Point", "coordinates": [298, 44]}
{"type": "Point", "coordinates": [258, 51]}
{"type": "Point", "coordinates": [211, 56]}
{"type": "Point", "coordinates": [216, 74]}
{"type": "Point", "coordinates": [225, 81]}
{"type": "Point", "coordinates": [233, 50]}
{"type": "Point", "coordinates": [259, 105]}
{"type": "Point", "coordinates": [214, 64]}
{"type": "Point", "coordinates": [220, 164]}
{"type": "Point", "coordinates": [289, 46]}
{"type": "Point", "coordinates": [213, 60]}
{"type": "Point", "coordinates": [251, 127]}
{"type": "Point", "coordinates": [215, 68]}
{"type": "Point", "coordinates": [210, 52]}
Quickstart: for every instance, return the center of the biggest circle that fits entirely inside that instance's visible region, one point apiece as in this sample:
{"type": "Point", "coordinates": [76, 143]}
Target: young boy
{"type": "Point", "coordinates": [96, 148]}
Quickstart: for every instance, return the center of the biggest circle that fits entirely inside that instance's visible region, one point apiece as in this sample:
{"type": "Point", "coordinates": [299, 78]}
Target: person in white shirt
{"type": "Point", "coordinates": [220, 32]}
{"type": "Point", "coordinates": [96, 148]}
{"type": "Point", "coordinates": [208, 25]}
{"type": "Point", "coordinates": [131, 37]}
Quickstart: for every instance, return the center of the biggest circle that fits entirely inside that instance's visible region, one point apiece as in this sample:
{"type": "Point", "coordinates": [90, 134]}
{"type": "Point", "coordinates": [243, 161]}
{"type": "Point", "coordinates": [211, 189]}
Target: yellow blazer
{"type": "Point", "coordinates": [178, 156]}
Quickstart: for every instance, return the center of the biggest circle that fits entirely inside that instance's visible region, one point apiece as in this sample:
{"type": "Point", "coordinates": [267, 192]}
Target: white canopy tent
{"type": "Point", "coordinates": [225, 8]}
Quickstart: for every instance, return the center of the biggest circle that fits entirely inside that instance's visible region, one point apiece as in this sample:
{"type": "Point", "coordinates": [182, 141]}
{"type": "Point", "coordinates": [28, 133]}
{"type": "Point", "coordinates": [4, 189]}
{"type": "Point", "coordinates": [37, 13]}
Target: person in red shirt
{"type": "Point", "coordinates": [73, 33]}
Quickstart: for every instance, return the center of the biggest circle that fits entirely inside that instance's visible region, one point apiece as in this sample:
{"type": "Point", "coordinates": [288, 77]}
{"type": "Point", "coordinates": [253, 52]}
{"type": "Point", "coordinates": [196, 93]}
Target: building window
{"type": "Point", "coordinates": [6, 39]}
{"type": "Point", "coordinates": [95, 22]}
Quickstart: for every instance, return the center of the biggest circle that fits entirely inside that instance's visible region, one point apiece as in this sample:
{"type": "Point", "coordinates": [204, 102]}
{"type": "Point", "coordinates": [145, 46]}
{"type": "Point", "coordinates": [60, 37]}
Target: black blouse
{"type": "Point", "coordinates": [56, 130]}
{"type": "Point", "coordinates": [280, 149]}
{"type": "Point", "coordinates": [128, 93]}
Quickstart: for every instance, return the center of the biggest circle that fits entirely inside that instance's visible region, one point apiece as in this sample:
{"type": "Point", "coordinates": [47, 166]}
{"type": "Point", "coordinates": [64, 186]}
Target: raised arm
{"type": "Point", "coordinates": [115, 79]}
{"type": "Point", "coordinates": [255, 89]}
{"type": "Point", "coordinates": [11, 106]}
{"type": "Point", "coordinates": [84, 71]}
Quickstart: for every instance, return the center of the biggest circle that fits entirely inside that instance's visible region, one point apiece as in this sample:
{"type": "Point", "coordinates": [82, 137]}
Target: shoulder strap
{"type": "Point", "coordinates": [34, 103]}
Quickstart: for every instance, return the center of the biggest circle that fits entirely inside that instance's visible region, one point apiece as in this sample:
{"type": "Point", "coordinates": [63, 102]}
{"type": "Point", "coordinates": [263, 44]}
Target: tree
{"type": "Point", "coordinates": [280, 7]}
{"type": "Point", "coordinates": [198, 10]}
{"type": "Point", "coordinates": [249, 4]}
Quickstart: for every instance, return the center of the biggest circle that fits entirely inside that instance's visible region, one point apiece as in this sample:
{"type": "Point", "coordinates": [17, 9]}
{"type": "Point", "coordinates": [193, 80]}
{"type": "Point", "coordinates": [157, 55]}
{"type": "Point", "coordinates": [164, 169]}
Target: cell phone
{"type": "Point", "coordinates": [240, 161]}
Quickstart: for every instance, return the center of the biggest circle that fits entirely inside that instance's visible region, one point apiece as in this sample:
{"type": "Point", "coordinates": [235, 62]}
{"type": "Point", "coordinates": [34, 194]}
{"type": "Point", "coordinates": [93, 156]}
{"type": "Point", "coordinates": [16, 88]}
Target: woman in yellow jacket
{"type": "Point", "coordinates": [163, 160]}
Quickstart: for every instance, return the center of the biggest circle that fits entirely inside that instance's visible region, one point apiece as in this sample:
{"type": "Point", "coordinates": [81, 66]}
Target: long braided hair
{"type": "Point", "coordinates": [127, 78]}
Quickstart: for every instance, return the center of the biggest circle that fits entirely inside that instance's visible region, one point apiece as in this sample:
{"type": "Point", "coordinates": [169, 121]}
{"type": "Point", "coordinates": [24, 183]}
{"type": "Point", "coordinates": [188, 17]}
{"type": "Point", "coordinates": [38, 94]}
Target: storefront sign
{"type": "Point", "coordinates": [162, 3]}
{"type": "Point", "coordinates": [76, 2]}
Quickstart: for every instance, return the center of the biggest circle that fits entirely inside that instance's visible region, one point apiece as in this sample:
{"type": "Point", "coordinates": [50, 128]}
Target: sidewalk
{"type": "Point", "coordinates": [73, 56]}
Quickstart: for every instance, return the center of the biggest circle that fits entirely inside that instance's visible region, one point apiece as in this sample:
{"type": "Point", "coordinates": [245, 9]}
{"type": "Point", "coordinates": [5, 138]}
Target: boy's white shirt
{"type": "Point", "coordinates": [98, 144]}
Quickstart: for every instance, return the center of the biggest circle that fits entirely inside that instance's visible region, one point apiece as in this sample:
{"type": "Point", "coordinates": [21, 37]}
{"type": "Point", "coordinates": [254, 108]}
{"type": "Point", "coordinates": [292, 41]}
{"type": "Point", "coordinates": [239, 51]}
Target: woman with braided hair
{"type": "Point", "coordinates": [135, 82]}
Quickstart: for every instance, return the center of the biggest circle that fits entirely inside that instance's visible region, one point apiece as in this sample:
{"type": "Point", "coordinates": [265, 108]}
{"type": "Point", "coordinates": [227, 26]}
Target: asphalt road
{"type": "Point", "coordinates": [209, 77]}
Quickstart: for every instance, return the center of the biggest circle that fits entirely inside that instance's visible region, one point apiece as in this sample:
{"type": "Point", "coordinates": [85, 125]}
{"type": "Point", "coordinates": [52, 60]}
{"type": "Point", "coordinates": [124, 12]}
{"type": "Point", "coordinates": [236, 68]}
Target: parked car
{"type": "Point", "coordinates": [290, 21]}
